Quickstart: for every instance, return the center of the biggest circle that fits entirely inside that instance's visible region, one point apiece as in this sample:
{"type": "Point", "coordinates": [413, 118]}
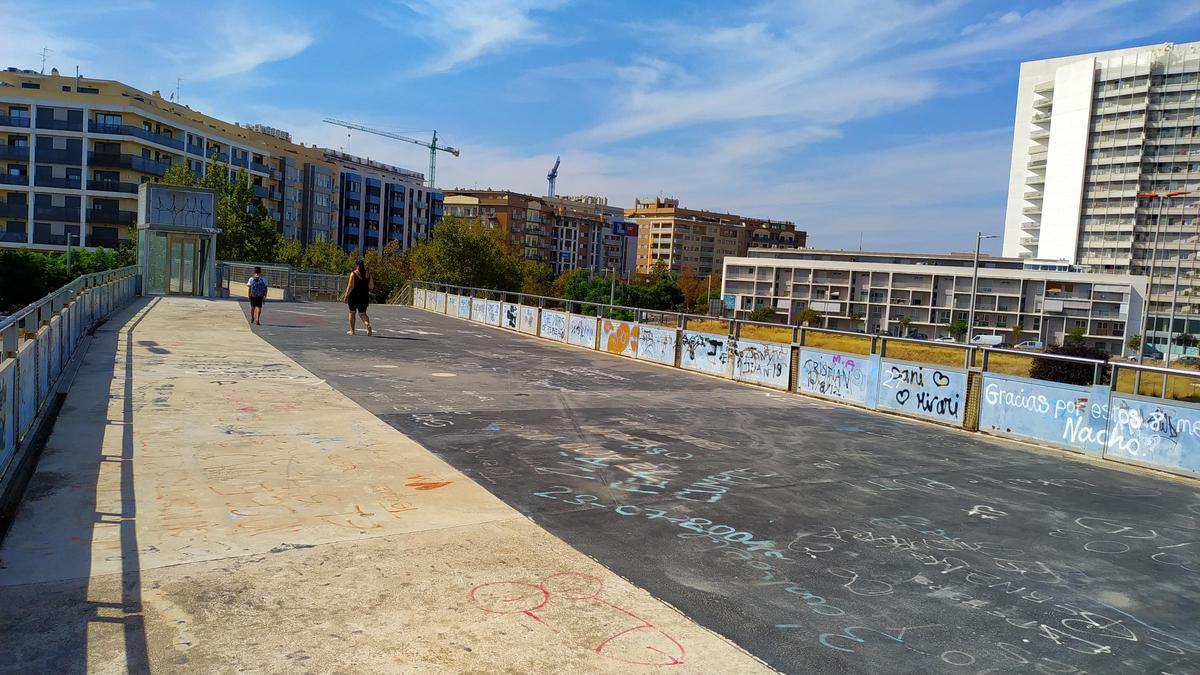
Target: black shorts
{"type": "Point", "coordinates": [257, 302]}
{"type": "Point", "coordinates": [358, 306]}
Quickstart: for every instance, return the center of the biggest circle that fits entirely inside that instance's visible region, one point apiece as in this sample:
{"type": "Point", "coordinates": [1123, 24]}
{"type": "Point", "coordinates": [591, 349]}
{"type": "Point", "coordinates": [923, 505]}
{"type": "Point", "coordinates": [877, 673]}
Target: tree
{"type": "Point", "coordinates": [246, 231]}
{"type": "Point", "coordinates": [289, 252]}
{"type": "Point", "coordinates": [328, 257]}
{"type": "Point", "coordinates": [809, 317]}
{"type": "Point", "coordinates": [1075, 334]}
{"type": "Point", "coordinates": [762, 313]}
{"type": "Point", "coordinates": [463, 252]}
{"type": "Point", "coordinates": [1185, 340]}
{"type": "Point", "coordinates": [537, 278]}
{"type": "Point", "coordinates": [957, 329]}
{"type": "Point", "coordinates": [179, 174]}
{"type": "Point", "coordinates": [1017, 332]}
{"type": "Point", "coordinates": [1134, 342]}
{"type": "Point", "coordinates": [855, 317]}
{"type": "Point", "coordinates": [1068, 372]}
{"type": "Point", "coordinates": [904, 322]}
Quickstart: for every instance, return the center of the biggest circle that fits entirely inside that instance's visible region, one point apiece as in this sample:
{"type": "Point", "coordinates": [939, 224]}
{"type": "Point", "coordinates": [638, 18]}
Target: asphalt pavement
{"type": "Point", "coordinates": [818, 537]}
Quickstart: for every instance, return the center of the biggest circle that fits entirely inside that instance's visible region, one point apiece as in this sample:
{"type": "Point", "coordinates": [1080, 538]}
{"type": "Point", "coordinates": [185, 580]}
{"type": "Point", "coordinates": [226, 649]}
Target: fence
{"type": "Point", "coordinates": [285, 283]}
{"type": "Point", "coordinates": [37, 343]}
{"type": "Point", "coordinates": [1120, 411]}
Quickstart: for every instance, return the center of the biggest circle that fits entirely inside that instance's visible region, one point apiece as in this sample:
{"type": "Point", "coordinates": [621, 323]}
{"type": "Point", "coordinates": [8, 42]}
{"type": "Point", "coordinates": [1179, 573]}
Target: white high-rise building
{"type": "Point", "coordinates": [1095, 135]}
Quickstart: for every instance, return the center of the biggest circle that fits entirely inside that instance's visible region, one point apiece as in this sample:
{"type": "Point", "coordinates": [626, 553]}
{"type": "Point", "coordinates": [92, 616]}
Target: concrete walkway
{"type": "Point", "coordinates": [206, 504]}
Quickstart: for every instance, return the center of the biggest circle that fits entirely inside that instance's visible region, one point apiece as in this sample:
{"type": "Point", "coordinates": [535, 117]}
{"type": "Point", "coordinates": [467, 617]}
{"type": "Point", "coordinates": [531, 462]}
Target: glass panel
{"type": "Point", "coordinates": [176, 254]}
{"type": "Point", "coordinates": [187, 275]}
{"type": "Point", "coordinates": [156, 263]}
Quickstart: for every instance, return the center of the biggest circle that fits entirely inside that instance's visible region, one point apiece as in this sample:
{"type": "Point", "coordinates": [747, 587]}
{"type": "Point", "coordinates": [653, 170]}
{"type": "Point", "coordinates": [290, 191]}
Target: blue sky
{"type": "Point", "coordinates": [887, 118]}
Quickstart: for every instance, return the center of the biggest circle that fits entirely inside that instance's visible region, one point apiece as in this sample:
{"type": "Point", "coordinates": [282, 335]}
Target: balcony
{"type": "Point", "coordinates": [1030, 210]}
{"type": "Point", "coordinates": [67, 183]}
{"type": "Point", "coordinates": [14, 210]}
{"type": "Point", "coordinates": [260, 191]}
{"type": "Point", "coordinates": [46, 122]}
{"type": "Point", "coordinates": [125, 161]}
{"type": "Point", "coordinates": [14, 179]}
{"type": "Point", "coordinates": [137, 132]}
{"type": "Point", "coordinates": [350, 230]}
{"type": "Point", "coordinates": [259, 167]}
{"type": "Point", "coordinates": [52, 156]}
{"type": "Point", "coordinates": [18, 121]}
{"type": "Point", "coordinates": [1041, 117]}
{"type": "Point", "coordinates": [373, 199]}
{"type": "Point", "coordinates": [222, 157]}
{"type": "Point", "coordinates": [12, 237]}
{"type": "Point", "coordinates": [63, 213]}
{"type": "Point", "coordinates": [241, 162]}
{"type": "Point", "coordinates": [112, 186]}
{"type": "Point", "coordinates": [106, 237]}
{"type": "Point", "coordinates": [18, 152]}
{"type": "Point", "coordinates": [351, 212]}
{"type": "Point", "coordinates": [197, 150]}
{"type": "Point", "coordinates": [396, 219]}
{"type": "Point", "coordinates": [111, 217]}
{"type": "Point", "coordinates": [397, 203]}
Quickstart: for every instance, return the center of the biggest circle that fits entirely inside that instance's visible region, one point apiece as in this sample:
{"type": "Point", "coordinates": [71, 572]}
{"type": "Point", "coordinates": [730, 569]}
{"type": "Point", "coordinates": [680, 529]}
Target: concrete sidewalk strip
{"type": "Point", "coordinates": [205, 492]}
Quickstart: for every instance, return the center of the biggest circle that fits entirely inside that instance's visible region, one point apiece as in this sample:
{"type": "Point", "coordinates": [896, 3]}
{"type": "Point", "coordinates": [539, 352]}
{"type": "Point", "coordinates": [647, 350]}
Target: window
{"type": "Point", "coordinates": [18, 113]}
{"type": "Point", "coordinates": [87, 90]}
{"type": "Point", "coordinates": [108, 119]}
{"type": "Point", "coordinates": [30, 85]}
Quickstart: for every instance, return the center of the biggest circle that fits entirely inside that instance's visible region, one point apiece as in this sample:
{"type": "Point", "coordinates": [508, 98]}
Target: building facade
{"type": "Point", "coordinates": [381, 204]}
{"type": "Point", "coordinates": [872, 292]}
{"type": "Point", "coordinates": [695, 242]}
{"type": "Point", "coordinates": [74, 150]}
{"type": "Point", "coordinates": [1097, 139]}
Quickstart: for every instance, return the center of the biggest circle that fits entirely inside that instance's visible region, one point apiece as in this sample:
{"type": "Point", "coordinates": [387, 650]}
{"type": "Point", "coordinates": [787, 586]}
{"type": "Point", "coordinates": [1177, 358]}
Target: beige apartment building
{"type": "Point", "coordinates": [695, 242]}
{"type": "Point", "coordinates": [874, 292]}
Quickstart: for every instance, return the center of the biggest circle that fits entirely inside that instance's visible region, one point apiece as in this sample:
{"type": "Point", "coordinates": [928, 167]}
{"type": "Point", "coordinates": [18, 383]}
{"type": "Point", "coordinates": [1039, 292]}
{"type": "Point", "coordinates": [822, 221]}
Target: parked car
{"type": "Point", "coordinates": [945, 338]}
{"type": "Point", "coordinates": [1031, 345]}
{"type": "Point", "coordinates": [987, 340]}
{"type": "Point", "coordinates": [1191, 361]}
{"type": "Point", "coordinates": [916, 335]}
{"type": "Point", "coordinates": [1151, 353]}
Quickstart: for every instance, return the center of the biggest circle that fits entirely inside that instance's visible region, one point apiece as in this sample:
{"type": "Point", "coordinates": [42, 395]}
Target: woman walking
{"type": "Point", "coordinates": [358, 295]}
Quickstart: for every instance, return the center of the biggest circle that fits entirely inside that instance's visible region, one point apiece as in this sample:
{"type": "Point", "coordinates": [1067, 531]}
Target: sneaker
{"type": "Point", "coordinates": [349, 332]}
{"type": "Point", "coordinates": [369, 331]}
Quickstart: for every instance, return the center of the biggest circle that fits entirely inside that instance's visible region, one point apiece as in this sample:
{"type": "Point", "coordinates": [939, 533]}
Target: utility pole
{"type": "Point", "coordinates": [1174, 301]}
{"type": "Point", "coordinates": [979, 237]}
{"type": "Point", "coordinates": [612, 287]}
{"type": "Point", "coordinates": [1161, 197]}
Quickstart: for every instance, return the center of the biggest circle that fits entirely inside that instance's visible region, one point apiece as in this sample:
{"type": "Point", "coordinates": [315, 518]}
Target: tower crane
{"type": "Point", "coordinates": [553, 176]}
{"type": "Point", "coordinates": [433, 145]}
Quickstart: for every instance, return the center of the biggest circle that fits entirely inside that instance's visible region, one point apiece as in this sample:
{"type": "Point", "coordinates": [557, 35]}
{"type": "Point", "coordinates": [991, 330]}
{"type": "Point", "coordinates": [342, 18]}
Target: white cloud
{"type": "Point", "coordinates": [466, 30]}
{"type": "Point", "coordinates": [237, 43]}
{"type": "Point", "coordinates": [24, 37]}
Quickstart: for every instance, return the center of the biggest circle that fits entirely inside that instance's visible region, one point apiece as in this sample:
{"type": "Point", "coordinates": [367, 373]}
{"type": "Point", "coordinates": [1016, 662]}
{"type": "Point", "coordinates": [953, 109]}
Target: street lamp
{"type": "Point", "coordinates": [612, 286]}
{"type": "Point", "coordinates": [979, 237]}
{"type": "Point", "coordinates": [1161, 197]}
{"type": "Point", "coordinates": [69, 237]}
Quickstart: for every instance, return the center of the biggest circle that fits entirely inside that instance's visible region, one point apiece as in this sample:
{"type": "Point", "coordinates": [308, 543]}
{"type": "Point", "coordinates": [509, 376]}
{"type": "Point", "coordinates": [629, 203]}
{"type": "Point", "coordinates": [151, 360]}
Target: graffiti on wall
{"type": "Point", "coordinates": [840, 376]}
{"type": "Point", "coordinates": [26, 387]}
{"type": "Point", "coordinates": [582, 331]}
{"type": "Point", "coordinates": [705, 352]}
{"type": "Point", "coordinates": [554, 325]}
{"type": "Point", "coordinates": [439, 302]}
{"type": "Point", "coordinates": [619, 337]}
{"type": "Point", "coordinates": [1065, 415]}
{"type": "Point", "coordinates": [923, 391]}
{"type": "Point", "coordinates": [493, 313]}
{"type": "Point", "coordinates": [419, 297]}
{"type": "Point", "coordinates": [8, 429]}
{"type": "Point", "coordinates": [464, 307]}
{"type": "Point", "coordinates": [1154, 432]}
{"type": "Point", "coordinates": [452, 304]}
{"type": "Point", "coordinates": [478, 309]}
{"type": "Point", "coordinates": [768, 363]}
{"type": "Point", "coordinates": [510, 315]}
{"type": "Point", "coordinates": [529, 320]}
{"type": "Point", "coordinates": [43, 351]}
{"type": "Point", "coordinates": [657, 344]}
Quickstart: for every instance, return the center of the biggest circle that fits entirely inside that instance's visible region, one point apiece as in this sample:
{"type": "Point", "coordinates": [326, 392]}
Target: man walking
{"type": "Point", "coordinates": [256, 288]}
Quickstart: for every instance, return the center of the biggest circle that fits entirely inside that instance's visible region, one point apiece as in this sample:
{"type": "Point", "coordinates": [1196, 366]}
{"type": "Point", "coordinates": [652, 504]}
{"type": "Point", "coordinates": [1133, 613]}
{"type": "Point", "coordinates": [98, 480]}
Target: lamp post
{"type": "Point", "coordinates": [69, 237]}
{"type": "Point", "coordinates": [612, 286]}
{"type": "Point", "coordinates": [1174, 296]}
{"type": "Point", "coordinates": [1161, 197]}
{"type": "Point", "coordinates": [979, 237]}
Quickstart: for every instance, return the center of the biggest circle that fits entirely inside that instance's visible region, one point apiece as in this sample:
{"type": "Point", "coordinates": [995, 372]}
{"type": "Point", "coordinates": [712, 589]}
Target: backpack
{"type": "Point", "coordinates": [258, 287]}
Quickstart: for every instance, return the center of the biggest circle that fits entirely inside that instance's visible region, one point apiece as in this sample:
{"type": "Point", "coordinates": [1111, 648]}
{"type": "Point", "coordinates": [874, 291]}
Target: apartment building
{"type": "Point", "coordinates": [526, 221]}
{"type": "Point", "coordinates": [1097, 138]}
{"type": "Point", "coordinates": [873, 292]}
{"type": "Point", "coordinates": [381, 204]}
{"type": "Point", "coordinates": [590, 234]}
{"type": "Point", "coordinates": [74, 150]}
{"type": "Point", "coordinates": [695, 242]}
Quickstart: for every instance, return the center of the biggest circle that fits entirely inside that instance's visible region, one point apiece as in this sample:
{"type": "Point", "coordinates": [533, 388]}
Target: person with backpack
{"type": "Point", "coordinates": [358, 295]}
{"type": "Point", "coordinates": [256, 287]}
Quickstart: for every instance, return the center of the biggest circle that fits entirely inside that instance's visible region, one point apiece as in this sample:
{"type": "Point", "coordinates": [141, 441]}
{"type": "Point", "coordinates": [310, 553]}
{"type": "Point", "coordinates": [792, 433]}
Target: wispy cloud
{"type": "Point", "coordinates": [237, 44]}
{"type": "Point", "coordinates": [25, 37]}
{"type": "Point", "coordinates": [464, 31]}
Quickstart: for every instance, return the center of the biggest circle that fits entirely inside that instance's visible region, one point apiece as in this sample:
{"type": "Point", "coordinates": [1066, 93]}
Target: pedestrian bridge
{"type": "Point", "coordinates": [449, 496]}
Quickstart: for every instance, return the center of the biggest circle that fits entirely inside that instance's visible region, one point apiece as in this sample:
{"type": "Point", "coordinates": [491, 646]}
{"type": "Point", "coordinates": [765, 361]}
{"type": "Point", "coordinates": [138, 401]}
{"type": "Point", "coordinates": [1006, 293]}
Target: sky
{"type": "Point", "coordinates": [882, 120]}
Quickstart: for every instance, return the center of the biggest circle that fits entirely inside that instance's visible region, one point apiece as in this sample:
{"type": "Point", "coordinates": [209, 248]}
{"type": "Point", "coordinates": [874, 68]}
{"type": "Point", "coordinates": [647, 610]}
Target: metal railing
{"type": "Point", "coordinates": [38, 341]}
{"type": "Point", "coordinates": [283, 280]}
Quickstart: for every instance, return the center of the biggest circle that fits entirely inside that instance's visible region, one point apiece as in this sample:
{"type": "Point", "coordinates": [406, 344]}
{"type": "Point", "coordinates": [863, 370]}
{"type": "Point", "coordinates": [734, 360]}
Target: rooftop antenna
{"type": "Point", "coordinates": [175, 96]}
{"type": "Point", "coordinates": [860, 241]}
{"type": "Point", "coordinates": [45, 52]}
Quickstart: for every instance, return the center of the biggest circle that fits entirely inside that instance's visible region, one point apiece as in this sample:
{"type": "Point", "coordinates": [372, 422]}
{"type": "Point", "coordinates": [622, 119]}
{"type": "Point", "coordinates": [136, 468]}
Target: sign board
{"type": "Point", "coordinates": [175, 207]}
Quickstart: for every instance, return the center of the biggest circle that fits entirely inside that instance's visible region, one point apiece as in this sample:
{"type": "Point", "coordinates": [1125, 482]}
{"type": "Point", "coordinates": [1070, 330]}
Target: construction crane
{"type": "Point", "coordinates": [553, 176]}
{"type": "Point", "coordinates": [432, 145]}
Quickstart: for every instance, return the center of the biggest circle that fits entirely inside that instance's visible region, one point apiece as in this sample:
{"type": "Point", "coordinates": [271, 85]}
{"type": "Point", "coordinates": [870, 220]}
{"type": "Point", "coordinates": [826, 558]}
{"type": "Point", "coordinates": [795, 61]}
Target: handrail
{"type": "Point", "coordinates": [80, 282]}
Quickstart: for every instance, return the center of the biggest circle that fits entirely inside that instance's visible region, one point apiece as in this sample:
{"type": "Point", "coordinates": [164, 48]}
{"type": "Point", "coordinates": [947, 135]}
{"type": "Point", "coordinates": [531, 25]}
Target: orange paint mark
{"type": "Point", "coordinates": [419, 482]}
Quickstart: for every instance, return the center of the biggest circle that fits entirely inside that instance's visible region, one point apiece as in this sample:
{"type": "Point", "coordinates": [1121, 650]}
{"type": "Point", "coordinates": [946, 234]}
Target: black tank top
{"type": "Point", "coordinates": [360, 287]}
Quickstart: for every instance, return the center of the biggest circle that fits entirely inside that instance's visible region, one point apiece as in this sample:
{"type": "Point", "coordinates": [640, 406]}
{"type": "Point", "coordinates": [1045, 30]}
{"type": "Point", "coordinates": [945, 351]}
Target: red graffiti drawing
{"type": "Point", "coordinates": [570, 604]}
{"type": "Point", "coordinates": [419, 482]}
